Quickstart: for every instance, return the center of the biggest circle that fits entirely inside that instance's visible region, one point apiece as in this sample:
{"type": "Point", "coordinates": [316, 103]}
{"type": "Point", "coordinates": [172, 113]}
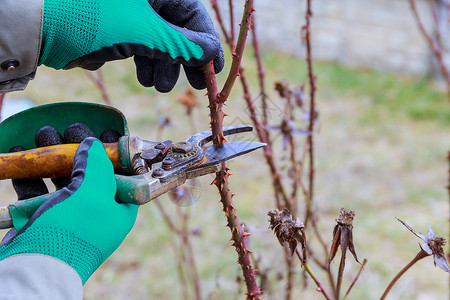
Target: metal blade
{"type": "Point", "coordinates": [214, 155]}
{"type": "Point", "coordinates": [206, 136]}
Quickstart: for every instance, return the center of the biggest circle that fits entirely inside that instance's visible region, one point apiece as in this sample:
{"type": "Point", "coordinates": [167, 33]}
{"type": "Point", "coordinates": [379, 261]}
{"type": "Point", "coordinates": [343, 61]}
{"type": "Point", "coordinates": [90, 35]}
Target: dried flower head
{"type": "Point", "coordinates": [282, 87]}
{"type": "Point", "coordinates": [343, 234]}
{"type": "Point", "coordinates": [434, 245]}
{"type": "Point", "coordinates": [189, 100]}
{"type": "Point", "coordinates": [288, 230]}
{"type": "Point", "coordinates": [295, 94]}
{"type": "Point", "coordinates": [345, 217]}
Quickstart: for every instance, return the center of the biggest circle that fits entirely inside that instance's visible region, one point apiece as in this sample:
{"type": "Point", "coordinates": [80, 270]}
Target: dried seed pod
{"type": "Point", "coordinates": [288, 230]}
{"type": "Point", "coordinates": [343, 234]}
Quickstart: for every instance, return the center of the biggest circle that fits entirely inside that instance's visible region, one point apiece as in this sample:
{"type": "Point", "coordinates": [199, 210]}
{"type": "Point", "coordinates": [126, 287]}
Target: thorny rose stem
{"type": "Point", "coordinates": [239, 236]}
{"type": "Point", "coordinates": [280, 193]}
{"type": "Point", "coordinates": [216, 101]}
{"type": "Point", "coordinates": [312, 113]}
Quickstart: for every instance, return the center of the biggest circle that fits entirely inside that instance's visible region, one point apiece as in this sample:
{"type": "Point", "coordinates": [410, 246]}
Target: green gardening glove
{"type": "Point", "coordinates": [82, 225]}
{"type": "Point", "coordinates": [160, 34]}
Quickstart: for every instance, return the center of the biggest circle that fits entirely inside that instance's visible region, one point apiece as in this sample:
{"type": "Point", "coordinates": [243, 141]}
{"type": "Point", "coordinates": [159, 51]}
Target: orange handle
{"type": "Point", "coordinates": [47, 162]}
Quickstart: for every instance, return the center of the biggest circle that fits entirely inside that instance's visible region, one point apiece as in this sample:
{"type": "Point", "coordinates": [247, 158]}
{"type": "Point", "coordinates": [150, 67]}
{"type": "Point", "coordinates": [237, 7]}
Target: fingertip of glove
{"type": "Point", "coordinates": [196, 77]}
{"type": "Point", "coordinates": [219, 61]}
{"type": "Point", "coordinates": [110, 136]}
{"type": "Point", "coordinates": [144, 70]}
{"type": "Point", "coordinates": [165, 75]}
{"type": "Point", "coordinates": [16, 149]}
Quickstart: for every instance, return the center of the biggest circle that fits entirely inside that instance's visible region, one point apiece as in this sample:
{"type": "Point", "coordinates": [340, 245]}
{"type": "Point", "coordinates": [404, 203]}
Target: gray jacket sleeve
{"type": "Point", "coordinates": [20, 40]}
{"type": "Point", "coordinates": [37, 276]}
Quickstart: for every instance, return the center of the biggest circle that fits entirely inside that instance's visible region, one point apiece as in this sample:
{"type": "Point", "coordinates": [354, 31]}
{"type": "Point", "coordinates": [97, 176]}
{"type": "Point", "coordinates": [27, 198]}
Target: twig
{"type": "Point", "coordinates": [318, 235]}
{"type": "Point", "coordinates": [216, 101]}
{"type": "Point", "coordinates": [180, 267]}
{"type": "Point", "coordinates": [189, 255]}
{"type": "Point", "coordinates": [419, 256]}
{"type": "Point", "coordinates": [309, 196]}
{"type": "Point", "coordinates": [230, 6]}
{"type": "Point", "coordinates": [354, 280]}
{"type": "Point", "coordinates": [239, 236]}
{"type": "Point", "coordinates": [99, 82]}
{"type": "Point", "coordinates": [436, 21]}
{"type": "Point", "coordinates": [324, 266]}
{"type": "Point", "coordinates": [328, 272]}
{"type": "Point", "coordinates": [340, 274]}
{"type": "Point", "coordinates": [263, 275]}
{"type": "Point", "coordinates": [279, 190]}
{"type": "Point", "coordinates": [320, 287]}
{"type": "Point", "coordinates": [237, 53]}
{"type": "Point", "coordinates": [290, 274]}
{"type": "Point", "coordinates": [261, 75]}
{"type": "Point", "coordinates": [225, 33]}
{"type": "Point", "coordinates": [215, 106]}
{"type": "Point", "coordinates": [312, 111]}
{"type": "Point", "coordinates": [289, 134]}
{"type": "Point", "coordinates": [167, 218]}
{"type": "Point", "coordinates": [434, 46]}
{"type": "Point", "coordinates": [186, 253]}
{"type": "Point", "coordinates": [296, 177]}
{"type": "Point", "coordinates": [309, 215]}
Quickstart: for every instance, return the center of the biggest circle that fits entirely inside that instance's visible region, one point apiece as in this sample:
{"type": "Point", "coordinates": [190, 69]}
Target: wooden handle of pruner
{"type": "Point", "coordinates": [47, 162]}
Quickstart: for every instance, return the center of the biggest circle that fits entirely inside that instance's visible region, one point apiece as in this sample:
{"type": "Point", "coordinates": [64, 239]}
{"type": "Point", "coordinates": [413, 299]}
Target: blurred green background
{"type": "Point", "coordinates": [381, 147]}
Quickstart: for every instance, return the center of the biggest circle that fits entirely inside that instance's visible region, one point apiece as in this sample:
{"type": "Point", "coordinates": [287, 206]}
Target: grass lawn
{"type": "Point", "coordinates": [381, 147]}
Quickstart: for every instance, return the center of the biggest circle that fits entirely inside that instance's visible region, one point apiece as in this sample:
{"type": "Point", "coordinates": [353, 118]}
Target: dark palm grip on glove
{"type": "Point", "coordinates": [160, 34]}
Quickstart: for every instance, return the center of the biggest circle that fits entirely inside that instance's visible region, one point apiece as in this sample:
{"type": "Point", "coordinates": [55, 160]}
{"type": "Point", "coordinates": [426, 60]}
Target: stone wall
{"type": "Point", "coordinates": [378, 34]}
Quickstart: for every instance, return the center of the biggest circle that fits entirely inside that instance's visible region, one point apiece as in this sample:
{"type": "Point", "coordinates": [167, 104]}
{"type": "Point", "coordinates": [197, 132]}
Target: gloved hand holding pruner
{"type": "Point", "coordinates": [95, 202]}
{"type": "Point", "coordinates": [161, 35]}
{"type": "Point", "coordinates": [59, 239]}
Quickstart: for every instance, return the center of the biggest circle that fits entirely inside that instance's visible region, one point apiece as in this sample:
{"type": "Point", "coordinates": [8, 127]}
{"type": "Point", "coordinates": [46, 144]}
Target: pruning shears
{"type": "Point", "coordinates": [151, 168]}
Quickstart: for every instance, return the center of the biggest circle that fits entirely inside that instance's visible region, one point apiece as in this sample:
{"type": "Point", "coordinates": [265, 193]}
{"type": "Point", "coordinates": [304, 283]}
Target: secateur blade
{"type": "Point", "coordinates": [206, 136]}
{"type": "Point", "coordinates": [189, 156]}
{"type": "Point", "coordinates": [213, 156]}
